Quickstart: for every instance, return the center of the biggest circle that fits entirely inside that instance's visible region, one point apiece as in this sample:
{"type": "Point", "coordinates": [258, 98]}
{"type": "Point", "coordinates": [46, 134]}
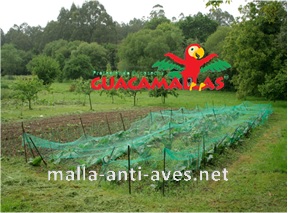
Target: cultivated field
{"type": "Point", "coordinates": [257, 166]}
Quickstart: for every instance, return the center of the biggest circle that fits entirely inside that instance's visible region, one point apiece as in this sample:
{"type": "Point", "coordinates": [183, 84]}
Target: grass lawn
{"type": "Point", "coordinates": [257, 169]}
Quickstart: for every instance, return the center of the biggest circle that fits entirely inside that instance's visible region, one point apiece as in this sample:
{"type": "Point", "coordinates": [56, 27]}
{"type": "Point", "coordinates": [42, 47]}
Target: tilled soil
{"type": "Point", "coordinates": [11, 133]}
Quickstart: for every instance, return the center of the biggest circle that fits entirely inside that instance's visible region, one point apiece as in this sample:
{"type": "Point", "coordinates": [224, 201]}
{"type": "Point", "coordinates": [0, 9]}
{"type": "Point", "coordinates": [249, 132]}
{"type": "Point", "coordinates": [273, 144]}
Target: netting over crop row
{"type": "Point", "coordinates": [187, 136]}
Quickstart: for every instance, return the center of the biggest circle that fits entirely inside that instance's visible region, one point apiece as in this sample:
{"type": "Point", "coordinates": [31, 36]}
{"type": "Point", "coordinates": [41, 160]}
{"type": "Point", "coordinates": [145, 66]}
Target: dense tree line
{"type": "Point", "coordinates": [86, 38]}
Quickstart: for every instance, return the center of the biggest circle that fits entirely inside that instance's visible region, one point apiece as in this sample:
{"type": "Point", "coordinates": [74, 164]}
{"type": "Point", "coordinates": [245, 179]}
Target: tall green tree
{"type": "Point", "coordinates": [45, 67]}
{"type": "Point", "coordinates": [140, 50]}
{"type": "Point", "coordinates": [96, 52]}
{"type": "Point", "coordinates": [12, 60]}
{"type": "Point", "coordinates": [197, 27]}
{"type": "Point", "coordinates": [2, 35]}
{"type": "Point", "coordinates": [157, 17]}
{"type": "Point", "coordinates": [18, 36]}
{"type": "Point", "coordinates": [256, 48]}
{"type": "Point", "coordinates": [215, 41]}
{"type": "Point", "coordinates": [222, 17]}
{"type": "Point", "coordinates": [78, 66]}
{"type": "Point", "coordinates": [123, 29]}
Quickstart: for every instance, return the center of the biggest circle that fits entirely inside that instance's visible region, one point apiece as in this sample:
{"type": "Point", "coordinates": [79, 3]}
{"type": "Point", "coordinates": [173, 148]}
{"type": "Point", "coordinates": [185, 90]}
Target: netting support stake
{"type": "Point", "coordinates": [162, 115]}
{"type": "Point", "coordinates": [122, 121]}
{"type": "Point", "coordinates": [164, 165]}
{"type": "Point", "coordinates": [170, 134]}
{"type": "Point", "coordinates": [29, 146]}
{"type": "Point", "coordinates": [38, 151]}
{"type": "Point", "coordinates": [108, 125]}
{"type": "Point", "coordinates": [129, 168]}
{"type": "Point", "coordinates": [183, 115]}
{"type": "Point", "coordinates": [198, 157]}
{"type": "Point", "coordinates": [203, 139]}
{"type": "Point", "coordinates": [25, 152]}
{"type": "Point", "coordinates": [83, 127]}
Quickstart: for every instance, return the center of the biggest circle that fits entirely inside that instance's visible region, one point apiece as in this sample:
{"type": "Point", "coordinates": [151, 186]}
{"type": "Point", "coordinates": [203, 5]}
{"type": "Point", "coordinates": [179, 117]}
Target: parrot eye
{"type": "Point", "coordinates": [192, 49]}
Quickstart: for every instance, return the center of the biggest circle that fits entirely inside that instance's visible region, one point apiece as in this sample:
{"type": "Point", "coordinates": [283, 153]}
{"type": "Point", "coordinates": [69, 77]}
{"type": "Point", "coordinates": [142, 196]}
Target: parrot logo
{"type": "Point", "coordinates": [190, 67]}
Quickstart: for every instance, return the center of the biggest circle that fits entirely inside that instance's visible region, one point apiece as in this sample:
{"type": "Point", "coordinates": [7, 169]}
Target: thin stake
{"type": "Point", "coordinates": [150, 117]}
{"type": "Point", "coordinates": [108, 125]}
{"type": "Point", "coordinates": [203, 140]}
{"type": "Point", "coordinates": [122, 121]}
{"type": "Point", "coordinates": [162, 115]}
{"type": "Point", "coordinates": [170, 133]}
{"type": "Point", "coordinates": [164, 164]}
{"type": "Point", "coordinates": [198, 160]}
{"type": "Point", "coordinates": [38, 151]}
{"type": "Point", "coordinates": [83, 127]}
{"type": "Point", "coordinates": [23, 130]}
{"type": "Point", "coordinates": [183, 114]}
{"type": "Point", "coordinates": [129, 168]}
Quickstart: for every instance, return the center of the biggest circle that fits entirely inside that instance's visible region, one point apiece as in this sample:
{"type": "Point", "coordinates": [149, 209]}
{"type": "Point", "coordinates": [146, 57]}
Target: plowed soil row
{"type": "Point", "coordinates": [11, 133]}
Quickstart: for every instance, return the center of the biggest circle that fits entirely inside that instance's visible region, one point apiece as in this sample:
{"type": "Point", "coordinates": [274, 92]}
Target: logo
{"type": "Point", "coordinates": [182, 72]}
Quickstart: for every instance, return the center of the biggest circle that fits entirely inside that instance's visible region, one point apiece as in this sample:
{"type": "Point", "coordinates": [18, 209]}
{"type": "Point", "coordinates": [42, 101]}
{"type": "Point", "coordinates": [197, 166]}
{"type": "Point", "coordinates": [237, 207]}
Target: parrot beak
{"type": "Point", "coordinates": [199, 53]}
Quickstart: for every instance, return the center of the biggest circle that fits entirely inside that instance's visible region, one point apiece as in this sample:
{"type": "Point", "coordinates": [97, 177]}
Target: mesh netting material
{"type": "Point", "coordinates": [185, 135]}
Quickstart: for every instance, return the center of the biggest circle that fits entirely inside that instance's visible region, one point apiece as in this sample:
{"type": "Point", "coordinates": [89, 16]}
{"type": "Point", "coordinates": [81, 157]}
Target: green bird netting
{"type": "Point", "coordinates": [187, 136]}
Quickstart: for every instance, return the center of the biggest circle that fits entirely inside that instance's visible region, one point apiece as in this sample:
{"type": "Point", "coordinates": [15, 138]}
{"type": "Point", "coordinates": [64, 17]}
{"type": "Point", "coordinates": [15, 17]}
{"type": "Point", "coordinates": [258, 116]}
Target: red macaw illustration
{"type": "Point", "coordinates": [192, 62]}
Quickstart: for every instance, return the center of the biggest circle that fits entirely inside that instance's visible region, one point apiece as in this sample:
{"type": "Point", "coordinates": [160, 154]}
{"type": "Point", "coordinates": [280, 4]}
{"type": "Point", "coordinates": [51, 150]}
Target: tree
{"type": "Point", "coordinates": [157, 17]}
{"type": "Point", "coordinates": [198, 27]}
{"type": "Point", "coordinates": [132, 93]}
{"type": "Point", "coordinates": [45, 67]}
{"type": "Point", "coordinates": [12, 60]}
{"type": "Point", "coordinates": [255, 49]}
{"type": "Point", "coordinates": [78, 66]}
{"type": "Point", "coordinates": [2, 37]}
{"type": "Point", "coordinates": [61, 51]}
{"type": "Point", "coordinates": [96, 53]}
{"type": "Point", "coordinates": [216, 3]}
{"type": "Point", "coordinates": [18, 36]}
{"type": "Point", "coordinates": [84, 86]}
{"type": "Point", "coordinates": [161, 92]}
{"type": "Point", "coordinates": [51, 32]}
{"type": "Point", "coordinates": [111, 93]}
{"type": "Point", "coordinates": [111, 55]}
{"type": "Point", "coordinates": [26, 89]}
{"type": "Point", "coordinates": [123, 29]}
{"type": "Point", "coordinates": [140, 50]}
{"type": "Point", "coordinates": [215, 41]}
{"type": "Point", "coordinates": [223, 18]}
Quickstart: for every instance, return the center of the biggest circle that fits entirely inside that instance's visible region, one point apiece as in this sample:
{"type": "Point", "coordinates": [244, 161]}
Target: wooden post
{"type": "Point", "coordinates": [170, 134]}
{"type": "Point", "coordinates": [198, 159]}
{"type": "Point", "coordinates": [38, 151]}
{"type": "Point", "coordinates": [203, 140]}
{"type": "Point", "coordinates": [83, 127]}
{"type": "Point", "coordinates": [129, 168]}
{"type": "Point", "coordinates": [164, 168]}
{"type": "Point", "coordinates": [23, 133]}
{"type": "Point", "coordinates": [108, 125]}
{"type": "Point", "coordinates": [214, 113]}
{"type": "Point", "coordinates": [162, 115]}
{"type": "Point", "coordinates": [122, 121]}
